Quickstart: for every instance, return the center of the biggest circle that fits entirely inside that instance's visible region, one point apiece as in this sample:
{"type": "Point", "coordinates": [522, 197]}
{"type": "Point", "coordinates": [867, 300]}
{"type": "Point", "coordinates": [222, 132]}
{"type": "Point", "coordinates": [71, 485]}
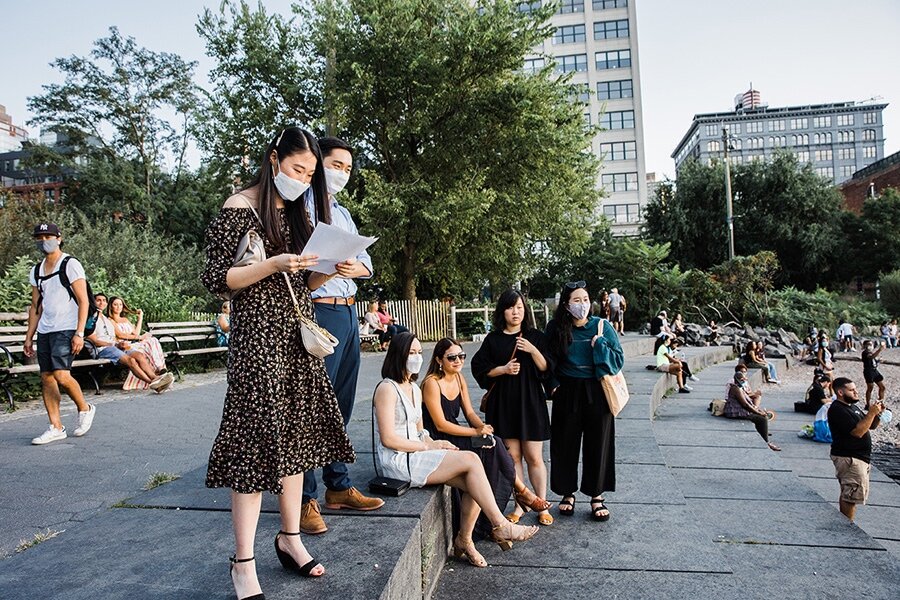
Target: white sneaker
{"type": "Point", "coordinates": [85, 420]}
{"type": "Point", "coordinates": [51, 435]}
{"type": "Point", "coordinates": [694, 378]}
{"type": "Point", "coordinates": [688, 388]}
{"type": "Point", "coordinates": [162, 382]}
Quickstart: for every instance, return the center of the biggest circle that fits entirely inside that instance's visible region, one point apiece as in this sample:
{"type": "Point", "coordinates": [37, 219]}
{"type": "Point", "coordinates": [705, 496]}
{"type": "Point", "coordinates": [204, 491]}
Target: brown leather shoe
{"type": "Point", "coordinates": [351, 499]}
{"type": "Point", "coordinates": [311, 521]}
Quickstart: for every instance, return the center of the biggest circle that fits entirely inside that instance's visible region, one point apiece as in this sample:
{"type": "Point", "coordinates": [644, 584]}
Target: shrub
{"type": "Point", "coordinates": [890, 292]}
{"type": "Point", "coordinates": [796, 310]}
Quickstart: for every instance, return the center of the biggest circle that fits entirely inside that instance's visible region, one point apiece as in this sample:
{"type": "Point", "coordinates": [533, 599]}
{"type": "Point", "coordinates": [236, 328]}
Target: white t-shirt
{"type": "Point", "coordinates": [615, 300]}
{"type": "Point", "coordinates": [845, 330]}
{"type": "Point", "coordinates": [60, 312]}
{"type": "Point", "coordinates": [105, 329]}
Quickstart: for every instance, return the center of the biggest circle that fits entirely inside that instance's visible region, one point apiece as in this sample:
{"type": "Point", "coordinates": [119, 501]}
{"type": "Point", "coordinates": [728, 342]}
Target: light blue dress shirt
{"type": "Point", "coordinates": [338, 287]}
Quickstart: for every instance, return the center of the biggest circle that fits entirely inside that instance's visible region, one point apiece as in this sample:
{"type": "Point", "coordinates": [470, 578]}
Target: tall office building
{"type": "Point", "coordinates": [11, 135]}
{"type": "Point", "coordinates": [596, 41]}
{"type": "Point", "coordinates": [838, 139]}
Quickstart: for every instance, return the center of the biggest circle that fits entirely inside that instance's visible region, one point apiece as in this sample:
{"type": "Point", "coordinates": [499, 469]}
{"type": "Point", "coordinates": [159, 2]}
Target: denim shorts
{"type": "Point", "coordinates": [111, 353]}
{"type": "Point", "coordinates": [54, 351]}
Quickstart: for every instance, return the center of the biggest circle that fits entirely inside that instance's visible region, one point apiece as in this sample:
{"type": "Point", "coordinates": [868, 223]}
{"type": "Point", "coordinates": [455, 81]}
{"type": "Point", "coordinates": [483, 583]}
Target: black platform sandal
{"type": "Point", "coordinates": [598, 506]}
{"type": "Point", "coordinates": [288, 562]}
{"type": "Point", "coordinates": [233, 559]}
{"type": "Point", "coordinates": [567, 506]}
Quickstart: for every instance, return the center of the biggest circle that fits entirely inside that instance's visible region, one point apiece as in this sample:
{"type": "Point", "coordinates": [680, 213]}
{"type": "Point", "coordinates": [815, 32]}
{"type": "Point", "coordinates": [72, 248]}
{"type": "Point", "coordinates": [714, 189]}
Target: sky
{"type": "Point", "coordinates": [695, 55]}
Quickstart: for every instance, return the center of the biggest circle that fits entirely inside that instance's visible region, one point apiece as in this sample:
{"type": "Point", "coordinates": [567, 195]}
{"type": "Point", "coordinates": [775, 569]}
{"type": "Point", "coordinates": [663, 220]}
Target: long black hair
{"type": "Point", "coordinates": [563, 320]}
{"type": "Point", "coordinates": [394, 365]}
{"type": "Point", "coordinates": [289, 141]}
{"type": "Point", "coordinates": [508, 299]}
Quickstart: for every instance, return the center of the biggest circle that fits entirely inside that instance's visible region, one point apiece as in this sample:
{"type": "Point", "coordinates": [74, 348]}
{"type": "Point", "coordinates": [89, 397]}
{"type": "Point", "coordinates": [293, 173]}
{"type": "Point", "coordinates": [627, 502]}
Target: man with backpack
{"type": "Point", "coordinates": [58, 313]}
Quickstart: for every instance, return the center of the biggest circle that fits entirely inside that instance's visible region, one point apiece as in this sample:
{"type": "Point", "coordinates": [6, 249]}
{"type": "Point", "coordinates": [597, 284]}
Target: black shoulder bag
{"type": "Point", "coordinates": [386, 486]}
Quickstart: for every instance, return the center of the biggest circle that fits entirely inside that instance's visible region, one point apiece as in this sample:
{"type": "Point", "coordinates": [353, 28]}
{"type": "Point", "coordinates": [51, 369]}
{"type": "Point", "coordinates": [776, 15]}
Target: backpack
{"type": "Point", "coordinates": [93, 311]}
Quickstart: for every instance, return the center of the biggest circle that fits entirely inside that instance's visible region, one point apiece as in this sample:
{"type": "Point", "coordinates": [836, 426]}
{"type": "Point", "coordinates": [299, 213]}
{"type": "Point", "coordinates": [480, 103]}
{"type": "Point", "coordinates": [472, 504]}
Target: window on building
{"type": "Point", "coordinates": [712, 130]}
{"type": "Point", "coordinates": [713, 146]}
{"type": "Point", "coordinates": [733, 128]}
{"type": "Point", "coordinates": [827, 172]}
{"type": "Point", "coordinates": [868, 135]}
{"type": "Point", "coordinates": [823, 155]}
{"type": "Point", "coordinates": [870, 118]}
{"type": "Point", "coordinates": [607, 4]}
{"type": "Point", "coordinates": [846, 153]}
{"type": "Point", "coordinates": [612, 90]}
{"type": "Point", "coordinates": [755, 143]}
{"type": "Point", "coordinates": [845, 120]}
{"type": "Point", "coordinates": [604, 30]}
{"type": "Point", "coordinates": [735, 144]}
{"type": "Point", "coordinates": [533, 65]}
{"type": "Point", "coordinates": [755, 127]}
{"type": "Point", "coordinates": [579, 92]}
{"type": "Point", "coordinates": [586, 125]}
{"type": "Point", "coordinates": [870, 152]}
{"type": "Point", "coordinates": [777, 141]}
{"type": "Point", "coordinates": [623, 119]}
{"type": "Point", "coordinates": [822, 138]}
{"type": "Point", "coordinates": [736, 159]}
{"type": "Point", "coordinates": [802, 156]}
{"type": "Point", "coordinates": [614, 59]}
{"type": "Point", "coordinates": [570, 6]}
{"type": "Point", "coordinates": [800, 139]}
{"type": "Point", "coordinates": [620, 182]}
{"type": "Point", "coordinates": [846, 136]}
{"type": "Point", "coordinates": [619, 151]}
{"type": "Point", "coordinates": [799, 123]}
{"type": "Point", "coordinates": [847, 171]}
{"type": "Point", "coordinates": [819, 122]}
{"type": "Point", "coordinates": [622, 213]}
{"type": "Point", "coordinates": [776, 125]}
{"type": "Point", "coordinates": [568, 34]}
{"type": "Point", "coordinates": [571, 63]}
{"type": "Point", "coordinates": [529, 7]}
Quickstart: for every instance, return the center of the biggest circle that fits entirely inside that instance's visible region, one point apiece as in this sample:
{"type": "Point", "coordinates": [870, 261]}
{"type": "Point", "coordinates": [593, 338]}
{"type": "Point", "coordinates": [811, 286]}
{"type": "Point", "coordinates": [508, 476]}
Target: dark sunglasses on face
{"type": "Point", "coordinates": [455, 357]}
{"type": "Point", "coordinates": [574, 285]}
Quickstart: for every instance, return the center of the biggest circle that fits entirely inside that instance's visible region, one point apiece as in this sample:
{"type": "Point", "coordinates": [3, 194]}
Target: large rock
{"type": "Point", "coordinates": [761, 332]}
{"type": "Point", "coordinates": [774, 352]}
{"type": "Point", "coordinates": [748, 332]}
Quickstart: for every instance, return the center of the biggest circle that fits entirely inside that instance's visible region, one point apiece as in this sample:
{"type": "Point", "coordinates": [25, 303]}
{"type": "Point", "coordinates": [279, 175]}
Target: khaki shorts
{"type": "Point", "coordinates": [853, 475]}
{"type": "Point", "coordinates": [664, 368]}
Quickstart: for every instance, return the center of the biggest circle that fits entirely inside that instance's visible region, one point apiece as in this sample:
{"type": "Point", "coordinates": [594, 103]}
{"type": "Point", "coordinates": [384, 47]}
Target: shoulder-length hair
{"type": "Point", "coordinates": [559, 343]}
{"type": "Point", "coordinates": [508, 299]}
{"type": "Point", "coordinates": [289, 141]}
{"type": "Point", "coordinates": [126, 311]}
{"type": "Point", "coordinates": [394, 366]}
{"type": "Point", "coordinates": [440, 349]}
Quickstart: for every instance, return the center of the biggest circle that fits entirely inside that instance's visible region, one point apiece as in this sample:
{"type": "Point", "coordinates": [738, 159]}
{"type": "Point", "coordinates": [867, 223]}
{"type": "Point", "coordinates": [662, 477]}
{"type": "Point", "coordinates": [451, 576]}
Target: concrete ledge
{"type": "Point", "coordinates": [698, 359]}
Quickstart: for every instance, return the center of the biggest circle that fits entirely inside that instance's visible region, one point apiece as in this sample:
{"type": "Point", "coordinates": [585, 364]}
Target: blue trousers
{"type": "Point", "coordinates": [343, 371]}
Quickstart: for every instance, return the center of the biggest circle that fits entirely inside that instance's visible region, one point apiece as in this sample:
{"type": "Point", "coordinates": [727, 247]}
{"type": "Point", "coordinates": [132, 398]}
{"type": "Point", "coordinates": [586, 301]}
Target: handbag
{"type": "Point", "coordinates": [251, 249]}
{"type": "Point", "coordinates": [614, 387]}
{"type": "Point", "coordinates": [484, 399]}
{"type": "Point", "coordinates": [387, 486]}
{"type": "Point", "coordinates": [317, 340]}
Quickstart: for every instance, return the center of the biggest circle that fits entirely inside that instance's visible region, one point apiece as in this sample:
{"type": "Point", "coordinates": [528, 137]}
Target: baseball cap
{"type": "Point", "coordinates": [46, 229]}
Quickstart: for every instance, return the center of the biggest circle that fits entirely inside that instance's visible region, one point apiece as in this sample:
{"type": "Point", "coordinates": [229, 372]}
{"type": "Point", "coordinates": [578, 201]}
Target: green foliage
{"type": "Point", "coordinates": [796, 310]}
{"type": "Point", "coordinates": [18, 216]}
{"type": "Point", "coordinates": [463, 150]}
{"type": "Point", "coordinates": [744, 284]}
{"type": "Point", "coordinates": [15, 291]}
{"type": "Point", "coordinates": [890, 292]}
{"type": "Point", "coordinates": [872, 239]}
{"type": "Point", "coordinates": [778, 205]}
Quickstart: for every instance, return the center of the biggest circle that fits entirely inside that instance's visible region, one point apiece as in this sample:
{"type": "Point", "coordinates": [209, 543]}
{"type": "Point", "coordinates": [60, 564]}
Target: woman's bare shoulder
{"type": "Point", "coordinates": [242, 198]}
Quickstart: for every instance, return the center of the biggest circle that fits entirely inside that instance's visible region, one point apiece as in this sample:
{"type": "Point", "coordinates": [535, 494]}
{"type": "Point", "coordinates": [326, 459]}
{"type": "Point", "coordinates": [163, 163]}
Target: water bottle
{"type": "Point", "coordinates": [886, 416]}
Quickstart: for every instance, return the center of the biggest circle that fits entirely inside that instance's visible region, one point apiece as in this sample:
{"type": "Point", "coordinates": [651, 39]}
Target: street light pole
{"type": "Point", "coordinates": [729, 212]}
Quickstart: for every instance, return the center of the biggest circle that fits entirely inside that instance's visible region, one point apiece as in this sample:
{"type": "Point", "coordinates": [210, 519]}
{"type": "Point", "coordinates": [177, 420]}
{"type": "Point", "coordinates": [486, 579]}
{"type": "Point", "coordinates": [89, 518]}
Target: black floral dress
{"type": "Point", "coordinates": [281, 416]}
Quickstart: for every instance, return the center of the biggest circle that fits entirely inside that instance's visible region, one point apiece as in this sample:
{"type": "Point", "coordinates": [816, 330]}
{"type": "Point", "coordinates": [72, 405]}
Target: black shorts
{"type": "Point", "coordinates": [873, 376]}
{"type": "Point", "coordinates": [54, 351]}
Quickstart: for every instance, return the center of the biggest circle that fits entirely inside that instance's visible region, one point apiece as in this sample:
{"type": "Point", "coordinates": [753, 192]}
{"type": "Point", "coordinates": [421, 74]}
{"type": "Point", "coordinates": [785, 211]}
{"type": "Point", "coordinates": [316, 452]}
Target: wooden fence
{"type": "Point", "coordinates": [430, 321]}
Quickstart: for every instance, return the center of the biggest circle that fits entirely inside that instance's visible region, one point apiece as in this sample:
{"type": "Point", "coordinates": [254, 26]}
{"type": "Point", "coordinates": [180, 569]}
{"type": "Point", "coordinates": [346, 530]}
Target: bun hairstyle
{"type": "Point", "coordinates": [285, 143]}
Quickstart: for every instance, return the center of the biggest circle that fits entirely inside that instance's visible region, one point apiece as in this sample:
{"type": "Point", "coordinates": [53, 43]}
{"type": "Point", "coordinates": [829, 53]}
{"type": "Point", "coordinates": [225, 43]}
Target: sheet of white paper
{"type": "Point", "coordinates": [333, 245]}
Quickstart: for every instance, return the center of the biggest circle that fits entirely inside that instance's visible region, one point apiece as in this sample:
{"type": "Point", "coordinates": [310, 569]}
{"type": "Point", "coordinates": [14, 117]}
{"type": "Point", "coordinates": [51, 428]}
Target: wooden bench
{"type": "Point", "coordinates": [188, 332]}
{"type": "Point", "coordinates": [14, 363]}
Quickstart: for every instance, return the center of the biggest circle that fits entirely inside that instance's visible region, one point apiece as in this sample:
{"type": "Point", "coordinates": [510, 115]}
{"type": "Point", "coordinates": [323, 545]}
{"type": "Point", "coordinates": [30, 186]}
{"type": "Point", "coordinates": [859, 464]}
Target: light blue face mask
{"type": "Point", "coordinates": [47, 246]}
{"type": "Point", "coordinates": [288, 188]}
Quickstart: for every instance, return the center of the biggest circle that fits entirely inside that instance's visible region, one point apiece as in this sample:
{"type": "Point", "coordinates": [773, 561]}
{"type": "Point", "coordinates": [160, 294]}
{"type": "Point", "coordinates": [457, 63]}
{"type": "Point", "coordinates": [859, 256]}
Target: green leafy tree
{"type": "Point", "coordinates": [117, 103]}
{"type": "Point", "coordinates": [474, 170]}
{"type": "Point", "coordinates": [871, 240]}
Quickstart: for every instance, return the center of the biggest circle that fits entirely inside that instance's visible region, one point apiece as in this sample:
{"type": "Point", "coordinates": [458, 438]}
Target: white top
{"type": "Point", "coordinates": [105, 329]}
{"type": "Point", "coordinates": [846, 329]}
{"type": "Point", "coordinates": [615, 299]}
{"type": "Point", "coordinates": [60, 312]}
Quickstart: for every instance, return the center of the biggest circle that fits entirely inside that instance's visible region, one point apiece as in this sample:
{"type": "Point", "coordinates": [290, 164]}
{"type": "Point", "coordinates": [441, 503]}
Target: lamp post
{"type": "Point", "coordinates": [729, 212]}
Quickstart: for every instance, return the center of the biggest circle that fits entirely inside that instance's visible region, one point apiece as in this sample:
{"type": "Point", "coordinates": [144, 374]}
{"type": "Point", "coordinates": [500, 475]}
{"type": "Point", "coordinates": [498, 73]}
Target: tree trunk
{"type": "Point", "coordinates": [409, 283]}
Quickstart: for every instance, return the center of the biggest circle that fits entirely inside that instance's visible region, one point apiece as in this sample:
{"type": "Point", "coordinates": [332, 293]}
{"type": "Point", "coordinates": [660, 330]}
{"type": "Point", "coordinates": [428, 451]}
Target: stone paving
{"type": "Point", "coordinates": [702, 507]}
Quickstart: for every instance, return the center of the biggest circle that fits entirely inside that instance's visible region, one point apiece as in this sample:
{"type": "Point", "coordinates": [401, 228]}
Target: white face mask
{"type": "Point", "coordinates": [578, 310]}
{"type": "Point", "coordinates": [414, 364]}
{"type": "Point", "coordinates": [288, 188]}
{"type": "Point", "coordinates": [336, 180]}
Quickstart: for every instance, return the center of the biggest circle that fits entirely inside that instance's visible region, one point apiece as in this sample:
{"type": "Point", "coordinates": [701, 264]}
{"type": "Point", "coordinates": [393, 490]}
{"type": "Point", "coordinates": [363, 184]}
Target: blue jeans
{"type": "Point", "coordinates": [343, 371]}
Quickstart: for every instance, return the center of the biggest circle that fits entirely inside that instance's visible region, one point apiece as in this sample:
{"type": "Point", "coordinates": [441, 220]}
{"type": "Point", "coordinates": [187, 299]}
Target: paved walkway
{"type": "Point", "coordinates": [702, 507]}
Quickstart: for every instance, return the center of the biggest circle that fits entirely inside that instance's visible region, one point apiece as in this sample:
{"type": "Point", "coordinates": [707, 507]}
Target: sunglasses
{"type": "Point", "coordinates": [574, 285]}
{"type": "Point", "coordinates": [455, 357]}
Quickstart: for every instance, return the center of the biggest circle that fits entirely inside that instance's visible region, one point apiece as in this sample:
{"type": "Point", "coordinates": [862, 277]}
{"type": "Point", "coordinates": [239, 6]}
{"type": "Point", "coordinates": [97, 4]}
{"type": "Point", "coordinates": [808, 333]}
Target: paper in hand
{"type": "Point", "coordinates": [333, 245]}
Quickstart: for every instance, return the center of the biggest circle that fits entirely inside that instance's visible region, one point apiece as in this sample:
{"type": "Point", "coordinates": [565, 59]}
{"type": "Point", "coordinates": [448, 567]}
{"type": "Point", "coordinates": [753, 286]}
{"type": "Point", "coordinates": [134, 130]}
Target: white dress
{"type": "Point", "coordinates": [393, 463]}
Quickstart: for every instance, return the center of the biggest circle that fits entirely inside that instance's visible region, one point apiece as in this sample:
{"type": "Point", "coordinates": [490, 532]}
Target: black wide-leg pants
{"type": "Point", "coordinates": [581, 423]}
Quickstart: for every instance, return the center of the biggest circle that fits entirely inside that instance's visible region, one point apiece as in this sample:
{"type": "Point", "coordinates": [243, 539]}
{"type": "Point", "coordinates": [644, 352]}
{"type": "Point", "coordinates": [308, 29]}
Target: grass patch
{"type": "Point", "coordinates": [160, 478]}
{"type": "Point", "coordinates": [40, 536]}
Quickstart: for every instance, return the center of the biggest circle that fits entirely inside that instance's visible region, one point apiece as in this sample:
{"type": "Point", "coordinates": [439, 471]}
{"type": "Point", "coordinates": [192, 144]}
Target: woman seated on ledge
{"type": "Point", "coordinates": [754, 358]}
{"type": "Point", "coordinates": [739, 404]}
{"type": "Point", "coordinates": [405, 451]}
{"type": "Point", "coordinates": [446, 395]}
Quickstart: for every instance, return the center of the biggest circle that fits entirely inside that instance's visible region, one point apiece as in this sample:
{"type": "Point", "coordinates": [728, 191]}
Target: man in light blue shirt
{"type": "Point", "coordinates": [335, 306]}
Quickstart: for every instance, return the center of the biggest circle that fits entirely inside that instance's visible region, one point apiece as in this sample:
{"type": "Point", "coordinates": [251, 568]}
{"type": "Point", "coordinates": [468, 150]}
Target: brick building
{"type": "Point", "coordinates": [869, 182]}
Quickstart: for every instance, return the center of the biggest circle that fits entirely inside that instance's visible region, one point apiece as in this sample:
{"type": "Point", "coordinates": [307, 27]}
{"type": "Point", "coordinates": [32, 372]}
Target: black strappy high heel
{"type": "Point", "coordinates": [288, 562]}
{"type": "Point", "coordinates": [235, 560]}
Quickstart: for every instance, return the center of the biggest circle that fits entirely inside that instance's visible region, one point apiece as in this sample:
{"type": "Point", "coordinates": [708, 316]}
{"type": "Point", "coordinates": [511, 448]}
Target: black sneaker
{"type": "Point", "coordinates": [684, 390]}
